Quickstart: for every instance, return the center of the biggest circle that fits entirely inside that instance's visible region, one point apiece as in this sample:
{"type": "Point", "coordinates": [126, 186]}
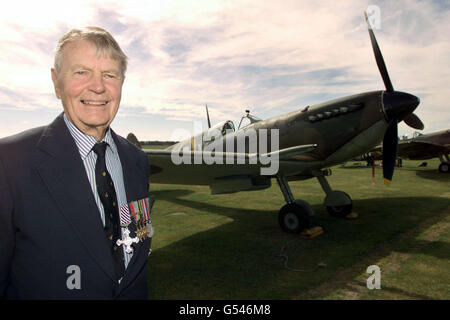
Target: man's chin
{"type": "Point", "coordinates": [93, 128]}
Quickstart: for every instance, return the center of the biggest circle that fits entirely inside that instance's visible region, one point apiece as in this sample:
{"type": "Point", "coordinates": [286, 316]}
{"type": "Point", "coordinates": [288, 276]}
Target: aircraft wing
{"type": "Point", "coordinates": [224, 172]}
{"type": "Point", "coordinates": [290, 153]}
{"type": "Point", "coordinates": [420, 150]}
{"type": "Point", "coordinates": [413, 150]}
{"type": "Point", "coordinates": [283, 154]}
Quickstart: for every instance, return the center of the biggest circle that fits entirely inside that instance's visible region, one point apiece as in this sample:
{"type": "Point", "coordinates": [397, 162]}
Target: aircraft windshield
{"type": "Point", "coordinates": [228, 126]}
{"type": "Point", "coordinates": [251, 119]}
{"type": "Point", "coordinates": [224, 127]}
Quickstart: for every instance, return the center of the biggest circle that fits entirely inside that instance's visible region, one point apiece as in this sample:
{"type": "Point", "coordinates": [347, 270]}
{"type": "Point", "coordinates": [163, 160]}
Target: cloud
{"type": "Point", "coordinates": [269, 56]}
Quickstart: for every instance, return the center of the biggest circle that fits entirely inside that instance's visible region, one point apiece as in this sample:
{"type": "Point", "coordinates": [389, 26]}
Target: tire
{"type": "Point", "coordinates": [338, 204]}
{"type": "Point", "coordinates": [444, 167]}
{"type": "Point", "coordinates": [340, 211]}
{"type": "Point", "coordinates": [294, 217]}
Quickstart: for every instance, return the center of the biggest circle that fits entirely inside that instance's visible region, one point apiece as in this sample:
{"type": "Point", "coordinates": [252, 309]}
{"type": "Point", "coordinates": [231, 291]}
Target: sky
{"type": "Point", "coordinates": [271, 57]}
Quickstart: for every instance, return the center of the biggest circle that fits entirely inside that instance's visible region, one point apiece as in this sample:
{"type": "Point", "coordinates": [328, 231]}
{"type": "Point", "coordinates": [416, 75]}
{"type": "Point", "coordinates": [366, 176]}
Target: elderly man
{"type": "Point", "coordinates": [66, 189]}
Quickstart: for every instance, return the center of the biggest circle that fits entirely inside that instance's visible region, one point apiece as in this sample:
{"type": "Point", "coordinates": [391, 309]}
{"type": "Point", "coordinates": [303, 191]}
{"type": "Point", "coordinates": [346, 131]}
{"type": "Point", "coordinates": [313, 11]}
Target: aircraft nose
{"type": "Point", "coordinates": [399, 104]}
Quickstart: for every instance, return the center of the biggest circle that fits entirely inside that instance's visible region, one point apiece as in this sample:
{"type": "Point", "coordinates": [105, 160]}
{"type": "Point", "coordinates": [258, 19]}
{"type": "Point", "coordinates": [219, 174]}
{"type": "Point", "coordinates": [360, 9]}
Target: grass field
{"type": "Point", "coordinates": [228, 246]}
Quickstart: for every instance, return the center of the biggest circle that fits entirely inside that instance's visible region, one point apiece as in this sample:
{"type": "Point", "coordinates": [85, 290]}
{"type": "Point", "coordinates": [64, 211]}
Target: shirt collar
{"type": "Point", "coordinates": [85, 142]}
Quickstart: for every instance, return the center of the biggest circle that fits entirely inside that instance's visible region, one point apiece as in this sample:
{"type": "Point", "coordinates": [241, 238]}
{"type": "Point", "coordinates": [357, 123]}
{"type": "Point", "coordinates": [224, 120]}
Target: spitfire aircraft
{"type": "Point", "coordinates": [419, 147]}
{"type": "Point", "coordinates": [428, 146]}
{"type": "Point", "coordinates": [310, 140]}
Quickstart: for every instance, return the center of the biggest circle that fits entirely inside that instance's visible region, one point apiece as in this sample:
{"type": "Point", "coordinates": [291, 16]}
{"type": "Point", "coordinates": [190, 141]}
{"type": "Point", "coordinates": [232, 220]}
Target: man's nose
{"type": "Point", "coordinates": [96, 84]}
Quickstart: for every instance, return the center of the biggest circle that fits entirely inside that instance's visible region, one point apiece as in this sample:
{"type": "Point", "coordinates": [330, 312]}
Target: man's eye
{"type": "Point", "coordinates": [80, 72]}
{"type": "Point", "coordinates": [110, 76]}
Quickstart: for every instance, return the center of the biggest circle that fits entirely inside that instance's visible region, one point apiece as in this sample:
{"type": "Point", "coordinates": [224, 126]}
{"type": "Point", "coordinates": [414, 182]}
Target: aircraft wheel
{"type": "Point", "coordinates": [294, 217]}
{"type": "Point", "coordinates": [340, 211]}
{"type": "Point", "coordinates": [338, 204]}
{"type": "Point", "coordinates": [444, 167]}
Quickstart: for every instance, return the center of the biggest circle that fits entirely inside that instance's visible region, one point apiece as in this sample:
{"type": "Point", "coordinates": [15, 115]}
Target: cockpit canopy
{"type": "Point", "coordinates": [250, 117]}
{"type": "Point", "coordinates": [222, 128]}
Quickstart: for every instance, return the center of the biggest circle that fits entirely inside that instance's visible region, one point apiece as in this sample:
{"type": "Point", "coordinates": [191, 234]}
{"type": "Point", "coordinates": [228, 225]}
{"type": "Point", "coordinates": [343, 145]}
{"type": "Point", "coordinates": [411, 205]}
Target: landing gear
{"type": "Point", "coordinates": [341, 211]}
{"type": "Point", "coordinates": [294, 216]}
{"type": "Point", "coordinates": [444, 167]}
{"type": "Point", "coordinates": [338, 203]}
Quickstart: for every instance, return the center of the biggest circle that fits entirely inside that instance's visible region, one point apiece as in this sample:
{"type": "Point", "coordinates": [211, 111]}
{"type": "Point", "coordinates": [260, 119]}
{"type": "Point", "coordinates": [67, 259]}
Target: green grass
{"type": "Point", "coordinates": [227, 246]}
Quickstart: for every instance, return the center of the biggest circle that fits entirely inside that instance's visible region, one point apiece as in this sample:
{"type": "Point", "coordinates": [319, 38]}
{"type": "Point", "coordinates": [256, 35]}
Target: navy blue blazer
{"type": "Point", "coordinates": [49, 220]}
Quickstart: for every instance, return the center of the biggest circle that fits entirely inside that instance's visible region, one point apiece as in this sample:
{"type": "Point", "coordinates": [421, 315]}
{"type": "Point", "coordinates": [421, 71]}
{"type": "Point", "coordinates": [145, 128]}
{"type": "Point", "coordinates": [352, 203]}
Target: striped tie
{"type": "Point", "coordinates": [107, 193]}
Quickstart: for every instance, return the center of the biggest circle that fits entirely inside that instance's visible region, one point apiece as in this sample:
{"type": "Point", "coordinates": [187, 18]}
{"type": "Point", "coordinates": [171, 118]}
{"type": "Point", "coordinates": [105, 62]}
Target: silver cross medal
{"type": "Point", "coordinates": [127, 241]}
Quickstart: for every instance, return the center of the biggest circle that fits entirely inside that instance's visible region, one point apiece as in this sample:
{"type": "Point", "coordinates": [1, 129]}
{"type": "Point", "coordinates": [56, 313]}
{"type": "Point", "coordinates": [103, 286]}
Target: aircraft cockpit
{"type": "Point", "coordinates": [224, 127]}
{"type": "Point", "coordinates": [251, 118]}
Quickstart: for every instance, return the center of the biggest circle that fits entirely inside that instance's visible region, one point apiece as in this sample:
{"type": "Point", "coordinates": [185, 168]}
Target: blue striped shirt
{"type": "Point", "coordinates": [89, 157]}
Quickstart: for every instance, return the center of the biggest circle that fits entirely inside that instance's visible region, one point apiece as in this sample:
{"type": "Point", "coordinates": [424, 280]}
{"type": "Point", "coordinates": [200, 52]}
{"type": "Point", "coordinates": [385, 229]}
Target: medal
{"type": "Point", "coordinates": [139, 211]}
{"type": "Point", "coordinates": [124, 215]}
{"type": "Point", "coordinates": [127, 241]}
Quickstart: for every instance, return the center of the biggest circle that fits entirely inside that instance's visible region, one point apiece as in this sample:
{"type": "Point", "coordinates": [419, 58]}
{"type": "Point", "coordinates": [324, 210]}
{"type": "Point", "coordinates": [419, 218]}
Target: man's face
{"type": "Point", "coordinates": [89, 86]}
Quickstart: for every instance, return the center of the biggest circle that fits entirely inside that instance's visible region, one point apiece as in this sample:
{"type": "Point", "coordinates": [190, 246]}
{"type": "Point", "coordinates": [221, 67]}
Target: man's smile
{"type": "Point", "coordinates": [95, 103]}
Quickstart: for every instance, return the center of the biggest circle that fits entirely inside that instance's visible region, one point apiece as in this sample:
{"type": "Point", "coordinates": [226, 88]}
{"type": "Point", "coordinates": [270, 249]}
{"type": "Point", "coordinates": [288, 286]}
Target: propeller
{"type": "Point", "coordinates": [207, 116]}
{"type": "Point", "coordinates": [398, 106]}
{"type": "Point", "coordinates": [390, 144]}
{"type": "Point", "coordinates": [379, 58]}
{"type": "Point", "coordinates": [413, 121]}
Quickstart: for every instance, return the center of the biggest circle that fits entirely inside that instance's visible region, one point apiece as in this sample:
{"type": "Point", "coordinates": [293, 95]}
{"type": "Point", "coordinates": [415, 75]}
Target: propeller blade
{"type": "Point", "coordinates": [207, 115]}
{"type": "Point", "coordinates": [390, 143]}
{"type": "Point", "coordinates": [413, 121]}
{"type": "Point", "coordinates": [379, 58]}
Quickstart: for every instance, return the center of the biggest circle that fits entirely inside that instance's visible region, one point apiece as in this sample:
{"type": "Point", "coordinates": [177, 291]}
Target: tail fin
{"type": "Point", "coordinates": [132, 138]}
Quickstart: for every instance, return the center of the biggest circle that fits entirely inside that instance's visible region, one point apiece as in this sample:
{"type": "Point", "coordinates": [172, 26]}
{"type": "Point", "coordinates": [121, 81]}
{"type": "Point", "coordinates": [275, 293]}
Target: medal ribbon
{"type": "Point", "coordinates": [139, 211]}
{"type": "Point", "coordinates": [124, 214]}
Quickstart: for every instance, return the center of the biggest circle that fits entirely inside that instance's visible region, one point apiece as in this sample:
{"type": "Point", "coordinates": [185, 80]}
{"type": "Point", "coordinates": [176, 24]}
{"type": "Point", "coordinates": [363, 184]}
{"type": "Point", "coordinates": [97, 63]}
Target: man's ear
{"type": "Point", "coordinates": [55, 84]}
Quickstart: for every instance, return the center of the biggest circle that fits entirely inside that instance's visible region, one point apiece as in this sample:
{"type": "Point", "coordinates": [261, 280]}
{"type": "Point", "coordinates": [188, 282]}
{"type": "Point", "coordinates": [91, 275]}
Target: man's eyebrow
{"type": "Point", "coordinates": [115, 71]}
{"type": "Point", "coordinates": [80, 66]}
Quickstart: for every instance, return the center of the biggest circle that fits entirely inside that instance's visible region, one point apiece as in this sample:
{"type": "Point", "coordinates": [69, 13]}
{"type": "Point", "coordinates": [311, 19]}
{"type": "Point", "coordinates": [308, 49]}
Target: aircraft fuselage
{"type": "Point", "coordinates": [342, 129]}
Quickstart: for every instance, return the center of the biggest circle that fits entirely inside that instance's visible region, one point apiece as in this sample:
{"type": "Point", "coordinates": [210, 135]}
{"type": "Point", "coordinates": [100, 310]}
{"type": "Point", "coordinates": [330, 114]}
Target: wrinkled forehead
{"type": "Point", "coordinates": [82, 49]}
{"type": "Point", "coordinates": [88, 54]}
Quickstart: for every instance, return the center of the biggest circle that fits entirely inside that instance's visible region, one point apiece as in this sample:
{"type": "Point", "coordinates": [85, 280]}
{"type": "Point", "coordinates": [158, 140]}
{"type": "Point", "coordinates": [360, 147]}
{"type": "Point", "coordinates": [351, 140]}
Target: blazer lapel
{"type": "Point", "coordinates": [65, 177]}
{"type": "Point", "coordinates": [132, 177]}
